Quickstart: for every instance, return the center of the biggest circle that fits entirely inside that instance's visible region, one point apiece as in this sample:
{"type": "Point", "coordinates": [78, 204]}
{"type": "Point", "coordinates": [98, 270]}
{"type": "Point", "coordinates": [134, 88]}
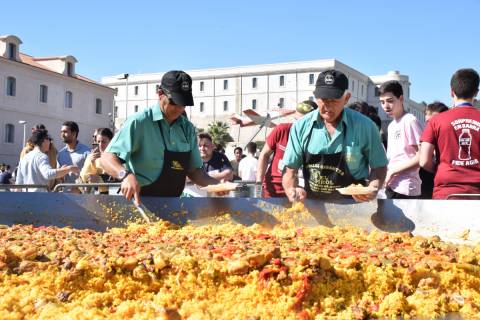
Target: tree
{"type": "Point", "coordinates": [218, 130]}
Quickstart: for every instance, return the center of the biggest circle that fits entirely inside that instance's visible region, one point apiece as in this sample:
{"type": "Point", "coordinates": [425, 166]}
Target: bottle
{"type": "Point", "coordinates": [464, 143]}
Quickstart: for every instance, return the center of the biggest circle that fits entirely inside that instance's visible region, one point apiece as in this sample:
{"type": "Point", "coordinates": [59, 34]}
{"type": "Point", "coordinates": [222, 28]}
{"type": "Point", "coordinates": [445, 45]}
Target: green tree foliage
{"type": "Point", "coordinates": [219, 132]}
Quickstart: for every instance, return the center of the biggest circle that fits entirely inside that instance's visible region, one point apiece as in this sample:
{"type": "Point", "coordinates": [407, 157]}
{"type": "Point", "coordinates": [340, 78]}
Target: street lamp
{"type": "Point", "coordinates": [24, 131]}
{"type": "Point", "coordinates": [124, 76]}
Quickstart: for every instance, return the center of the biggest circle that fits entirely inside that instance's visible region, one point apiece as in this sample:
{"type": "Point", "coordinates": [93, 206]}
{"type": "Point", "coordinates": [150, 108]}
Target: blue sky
{"type": "Point", "coordinates": [427, 40]}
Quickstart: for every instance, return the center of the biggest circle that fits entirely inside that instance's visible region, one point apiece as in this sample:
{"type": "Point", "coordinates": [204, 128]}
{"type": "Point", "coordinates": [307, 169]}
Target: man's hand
{"type": "Point", "coordinates": [95, 155]}
{"type": "Point", "coordinates": [74, 169]}
{"type": "Point", "coordinates": [296, 194]}
{"type": "Point", "coordinates": [130, 188]}
{"type": "Point", "coordinates": [365, 197]}
{"type": "Point", "coordinates": [390, 174]}
{"type": "Point", "coordinates": [369, 196]}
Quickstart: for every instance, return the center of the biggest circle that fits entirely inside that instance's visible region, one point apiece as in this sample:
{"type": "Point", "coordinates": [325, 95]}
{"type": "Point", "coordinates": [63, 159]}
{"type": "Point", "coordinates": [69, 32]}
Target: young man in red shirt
{"type": "Point", "coordinates": [454, 136]}
{"type": "Point", "coordinates": [271, 177]}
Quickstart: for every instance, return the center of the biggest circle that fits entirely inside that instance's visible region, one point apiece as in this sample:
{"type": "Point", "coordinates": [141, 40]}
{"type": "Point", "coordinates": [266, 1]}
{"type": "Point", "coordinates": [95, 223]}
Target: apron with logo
{"type": "Point", "coordinates": [171, 181]}
{"type": "Point", "coordinates": [324, 173]}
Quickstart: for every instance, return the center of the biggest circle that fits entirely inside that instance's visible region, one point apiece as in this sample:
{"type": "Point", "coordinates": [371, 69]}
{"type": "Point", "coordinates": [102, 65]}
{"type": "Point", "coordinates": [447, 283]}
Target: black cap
{"type": "Point", "coordinates": [177, 85]}
{"type": "Point", "coordinates": [331, 84]}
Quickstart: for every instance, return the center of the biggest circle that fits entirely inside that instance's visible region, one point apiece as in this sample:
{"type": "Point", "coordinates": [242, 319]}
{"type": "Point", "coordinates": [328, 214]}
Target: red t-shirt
{"type": "Point", "coordinates": [277, 141]}
{"type": "Point", "coordinates": [455, 135]}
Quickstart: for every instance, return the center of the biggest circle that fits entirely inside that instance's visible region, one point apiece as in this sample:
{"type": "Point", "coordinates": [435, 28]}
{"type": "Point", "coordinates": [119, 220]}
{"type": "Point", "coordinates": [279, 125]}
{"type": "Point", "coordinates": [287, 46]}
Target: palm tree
{"type": "Point", "coordinates": [218, 130]}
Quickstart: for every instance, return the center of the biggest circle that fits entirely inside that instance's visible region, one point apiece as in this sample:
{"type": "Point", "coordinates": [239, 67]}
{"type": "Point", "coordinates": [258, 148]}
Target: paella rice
{"type": "Point", "coordinates": [231, 271]}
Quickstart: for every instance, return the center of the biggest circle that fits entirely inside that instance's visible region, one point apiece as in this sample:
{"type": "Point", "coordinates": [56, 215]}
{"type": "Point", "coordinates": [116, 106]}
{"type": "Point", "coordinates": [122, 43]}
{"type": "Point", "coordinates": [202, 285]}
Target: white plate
{"type": "Point", "coordinates": [356, 190]}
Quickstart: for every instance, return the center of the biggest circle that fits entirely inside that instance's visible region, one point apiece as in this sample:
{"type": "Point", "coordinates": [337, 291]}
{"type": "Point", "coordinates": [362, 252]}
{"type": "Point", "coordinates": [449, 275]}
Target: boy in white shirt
{"type": "Point", "coordinates": [402, 181]}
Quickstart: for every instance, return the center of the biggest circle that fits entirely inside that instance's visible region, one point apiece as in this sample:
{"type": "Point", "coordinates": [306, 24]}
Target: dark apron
{"type": "Point", "coordinates": [171, 181]}
{"type": "Point", "coordinates": [324, 173]}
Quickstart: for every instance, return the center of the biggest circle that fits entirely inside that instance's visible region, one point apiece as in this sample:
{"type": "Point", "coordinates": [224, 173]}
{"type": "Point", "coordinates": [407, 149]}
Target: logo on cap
{"type": "Point", "coordinates": [329, 79]}
{"type": "Point", "coordinates": [185, 86]}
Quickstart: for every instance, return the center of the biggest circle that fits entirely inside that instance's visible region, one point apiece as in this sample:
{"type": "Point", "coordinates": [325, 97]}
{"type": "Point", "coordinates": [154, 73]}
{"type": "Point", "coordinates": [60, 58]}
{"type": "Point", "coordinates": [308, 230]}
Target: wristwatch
{"type": "Point", "coordinates": [123, 174]}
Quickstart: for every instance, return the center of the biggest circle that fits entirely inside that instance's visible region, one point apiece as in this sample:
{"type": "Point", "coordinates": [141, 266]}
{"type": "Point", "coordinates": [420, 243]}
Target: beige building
{"type": "Point", "coordinates": [218, 93]}
{"type": "Point", "coordinates": [49, 91]}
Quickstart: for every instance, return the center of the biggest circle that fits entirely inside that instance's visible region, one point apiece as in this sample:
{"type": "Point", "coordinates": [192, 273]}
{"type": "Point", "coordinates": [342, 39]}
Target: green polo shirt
{"type": "Point", "coordinates": [140, 144]}
{"type": "Point", "coordinates": [356, 134]}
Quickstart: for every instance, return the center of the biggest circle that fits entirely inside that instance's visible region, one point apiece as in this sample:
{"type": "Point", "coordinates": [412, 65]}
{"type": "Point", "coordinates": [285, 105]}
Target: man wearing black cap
{"type": "Point", "coordinates": [158, 146]}
{"type": "Point", "coordinates": [336, 146]}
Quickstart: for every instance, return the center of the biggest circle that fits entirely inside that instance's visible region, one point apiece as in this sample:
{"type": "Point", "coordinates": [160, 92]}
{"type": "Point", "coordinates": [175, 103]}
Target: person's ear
{"type": "Point", "coordinates": [347, 97]}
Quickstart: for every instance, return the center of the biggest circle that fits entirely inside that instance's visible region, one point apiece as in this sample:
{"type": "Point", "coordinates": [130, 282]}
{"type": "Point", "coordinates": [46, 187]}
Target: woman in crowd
{"type": "Point", "coordinates": [92, 171]}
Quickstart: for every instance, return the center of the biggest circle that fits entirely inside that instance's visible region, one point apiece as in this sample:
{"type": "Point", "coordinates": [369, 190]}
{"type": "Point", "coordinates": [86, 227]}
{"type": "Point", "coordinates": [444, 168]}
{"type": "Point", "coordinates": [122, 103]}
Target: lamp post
{"type": "Point", "coordinates": [24, 123]}
{"type": "Point", "coordinates": [124, 76]}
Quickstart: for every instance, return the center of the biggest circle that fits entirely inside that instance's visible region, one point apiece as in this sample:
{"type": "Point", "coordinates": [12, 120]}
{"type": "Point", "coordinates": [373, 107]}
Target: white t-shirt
{"type": "Point", "coordinates": [247, 168]}
{"type": "Point", "coordinates": [403, 135]}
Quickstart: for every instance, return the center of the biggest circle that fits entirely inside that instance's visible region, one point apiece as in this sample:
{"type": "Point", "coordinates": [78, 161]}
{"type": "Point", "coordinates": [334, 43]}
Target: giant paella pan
{"type": "Point", "coordinates": [86, 257]}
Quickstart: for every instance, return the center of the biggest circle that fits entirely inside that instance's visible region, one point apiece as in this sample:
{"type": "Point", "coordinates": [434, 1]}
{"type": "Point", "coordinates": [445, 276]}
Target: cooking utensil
{"type": "Point", "coordinates": [142, 210]}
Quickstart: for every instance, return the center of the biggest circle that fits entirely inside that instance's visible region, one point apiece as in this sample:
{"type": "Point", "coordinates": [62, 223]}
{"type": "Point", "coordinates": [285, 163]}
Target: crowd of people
{"type": "Point", "coordinates": [42, 166]}
{"type": "Point", "coordinates": [327, 147]}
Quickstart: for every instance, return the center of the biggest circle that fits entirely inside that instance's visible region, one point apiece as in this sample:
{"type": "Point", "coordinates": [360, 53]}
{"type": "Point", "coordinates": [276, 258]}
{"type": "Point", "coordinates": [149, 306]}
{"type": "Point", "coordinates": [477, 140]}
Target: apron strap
{"type": "Point", "coordinates": [344, 134]}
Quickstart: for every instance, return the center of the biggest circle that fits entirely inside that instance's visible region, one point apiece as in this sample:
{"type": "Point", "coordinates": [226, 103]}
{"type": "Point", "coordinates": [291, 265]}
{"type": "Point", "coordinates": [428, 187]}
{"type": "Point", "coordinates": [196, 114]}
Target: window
{"type": "Point", "coordinates": [282, 81]}
{"type": "Point", "coordinates": [135, 109]}
{"type": "Point", "coordinates": [311, 78]}
{"type": "Point", "coordinates": [115, 111]}
{"type": "Point", "coordinates": [281, 102]}
{"type": "Point", "coordinates": [98, 106]}
{"type": "Point", "coordinates": [11, 86]}
{"type": "Point", "coordinates": [68, 99]}
{"type": "Point", "coordinates": [116, 91]}
{"type": "Point", "coordinates": [43, 93]}
{"type": "Point", "coordinates": [225, 84]}
{"type": "Point", "coordinates": [136, 90]}
{"type": "Point", "coordinates": [254, 83]}
{"type": "Point", "coordinates": [353, 85]}
{"type": "Point", "coordinates": [69, 69]}
{"type": "Point", "coordinates": [254, 104]}
{"type": "Point", "coordinates": [202, 86]}
{"type": "Point", "coordinates": [362, 89]}
{"type": "Point", "coordinates": [377, 92]}
{"type": "Point", "coordinates": [202, 107]}
{"type": "Point", "coordinates": [225, 105]}
{"type": "Point", "coordinates": [12, 51]}
{"type": "Point", "coordinates": [9, 133]}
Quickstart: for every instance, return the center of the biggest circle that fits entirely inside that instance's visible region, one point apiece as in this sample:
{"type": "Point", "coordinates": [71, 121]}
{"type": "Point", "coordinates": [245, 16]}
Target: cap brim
{"type": "Point", "coordinates": [328, 93]}
{"type": "Point", "coordinates": [182, 98]}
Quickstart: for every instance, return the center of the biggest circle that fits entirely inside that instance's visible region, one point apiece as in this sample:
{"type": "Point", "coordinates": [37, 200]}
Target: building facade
{"type": "Point", "coordinates": [48, 91]}
{"type": "Point", "coordinates": [218, 93]}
